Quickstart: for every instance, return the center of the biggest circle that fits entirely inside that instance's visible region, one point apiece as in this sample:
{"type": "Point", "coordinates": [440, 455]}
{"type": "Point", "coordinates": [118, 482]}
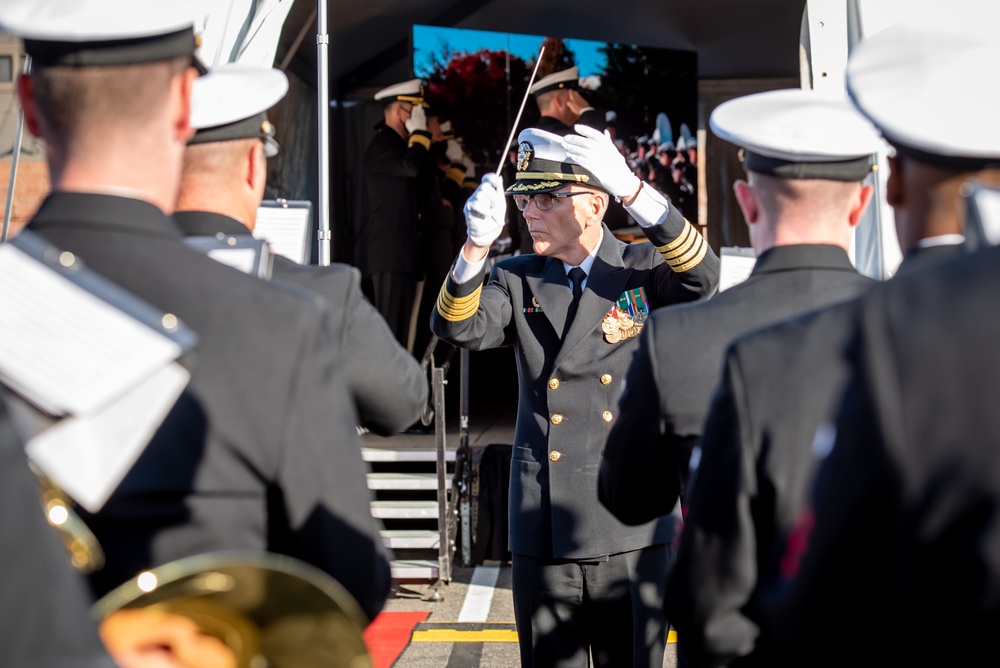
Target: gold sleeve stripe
{"type": "Point", "coordinates": [694, 261]}
{"type": "Point", "coordinates": [420, 139]}
{"type": "Point", "coordinates": [686, 257]}
{"type": "Point", "coordinates": [456, 174]}
{"type": "Point", "coordinates": [455, 309]}
{"type": "Point", "coordinates": [688, 238]}
{"type": "Point", "coordinates": [681, 238]}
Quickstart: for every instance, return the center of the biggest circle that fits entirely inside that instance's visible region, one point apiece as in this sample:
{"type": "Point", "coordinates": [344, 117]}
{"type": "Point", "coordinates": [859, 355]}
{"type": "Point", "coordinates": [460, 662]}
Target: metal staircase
{"type": "Point", "coordinates": [421, 488]}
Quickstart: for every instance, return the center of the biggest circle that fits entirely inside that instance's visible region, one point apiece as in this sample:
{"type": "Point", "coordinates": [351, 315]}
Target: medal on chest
{"type": "Point", "coordinates": [626, 317]}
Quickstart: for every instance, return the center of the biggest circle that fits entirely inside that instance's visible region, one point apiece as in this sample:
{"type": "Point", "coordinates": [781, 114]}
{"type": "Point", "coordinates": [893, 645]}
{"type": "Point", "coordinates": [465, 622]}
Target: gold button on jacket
{"type": "Point", "coordinates": [606, 379]}
{"type": "Point", "coordinates": [556, 418]}
{"type": "Point", "coordinates": [554, 456]}
{"type": "Point", "coordinates": [554, 384]}
{"type": "Point", "coordinates": [607, 416]}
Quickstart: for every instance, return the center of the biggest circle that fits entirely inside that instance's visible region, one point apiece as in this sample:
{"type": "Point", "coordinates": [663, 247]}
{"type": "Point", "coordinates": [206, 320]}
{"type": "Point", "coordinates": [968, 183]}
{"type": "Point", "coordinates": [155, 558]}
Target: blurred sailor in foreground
{"type": "Point", "coordinates": [806, 155]}
{"type": "Point", "coordinates": [902, 527]}
{"type": "Point", "coordinates": [261, 451]}
{"type": "Point", "coordinates": [779, 385]}
{"type": "Point", "coordinates": [44, 603]}
{"type": "Point", "coordinates": [222, 186]}
{"type": "Point", "coordinates": [583, 582]}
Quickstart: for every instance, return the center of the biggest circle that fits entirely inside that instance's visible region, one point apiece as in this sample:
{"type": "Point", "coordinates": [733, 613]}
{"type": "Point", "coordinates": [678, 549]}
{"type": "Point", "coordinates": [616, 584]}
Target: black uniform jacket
{"type": "Point", "coordinates": [386, 382]}
{"type": "Point", "coordinates": [392, 229]}
{"type": "Point", "coordinates": [261, 451]}
{"type": "Point", "coordinates": [901, 525]}
{"type": "Point", "coordinates": [779, 385]}
{"type": "Point", "coordinates": [568, 385]}
{"type": "Point", "coordinates": [670, 383]}
{"type": "Point", "coordinates": [44, 603]}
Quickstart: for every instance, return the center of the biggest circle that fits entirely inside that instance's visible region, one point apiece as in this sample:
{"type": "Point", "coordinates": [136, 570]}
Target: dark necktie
{"type": "Point", "coordinates": [576, 277]}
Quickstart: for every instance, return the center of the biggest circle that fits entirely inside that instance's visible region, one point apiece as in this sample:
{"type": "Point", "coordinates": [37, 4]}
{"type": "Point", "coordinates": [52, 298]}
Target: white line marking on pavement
{"type": "Point", "coordinates": [480, 595]}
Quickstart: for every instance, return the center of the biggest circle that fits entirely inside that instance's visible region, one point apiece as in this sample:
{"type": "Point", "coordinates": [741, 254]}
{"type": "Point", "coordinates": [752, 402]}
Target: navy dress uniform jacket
{"type": "Point", "coordinates": [261, 451]}
{"type": "Point", "coordinates": [568, 386]}
{"type": "Point", "coordinates": [388, 387]}
{"type": "Point", "coordinates": [902, 525]}
{"type": "Point", "coordinates": [779, 385]}
{"type": "Point", "coordinates": [391, 228]}
{"type": "Point", "coordinates": [44, 604]}
{"type": "Point", "coordinates": [678, 366]}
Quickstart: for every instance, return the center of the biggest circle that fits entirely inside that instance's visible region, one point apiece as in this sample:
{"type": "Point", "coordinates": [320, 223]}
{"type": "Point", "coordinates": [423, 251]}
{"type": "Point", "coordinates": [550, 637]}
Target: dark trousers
{"type": "Point", "coordinates": [611, 610]}
{"type": "Point", "coordinates": [393, 297]}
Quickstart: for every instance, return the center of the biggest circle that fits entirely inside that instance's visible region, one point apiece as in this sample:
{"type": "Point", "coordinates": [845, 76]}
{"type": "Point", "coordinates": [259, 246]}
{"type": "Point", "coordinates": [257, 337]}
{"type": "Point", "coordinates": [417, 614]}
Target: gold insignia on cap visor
{"type": "Point", "coordinates": [523, 156]}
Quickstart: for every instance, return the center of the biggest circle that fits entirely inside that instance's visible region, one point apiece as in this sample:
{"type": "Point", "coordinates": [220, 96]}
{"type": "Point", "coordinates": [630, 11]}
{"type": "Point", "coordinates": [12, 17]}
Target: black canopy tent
{"type": "Point", "coordinates": [741, 47]}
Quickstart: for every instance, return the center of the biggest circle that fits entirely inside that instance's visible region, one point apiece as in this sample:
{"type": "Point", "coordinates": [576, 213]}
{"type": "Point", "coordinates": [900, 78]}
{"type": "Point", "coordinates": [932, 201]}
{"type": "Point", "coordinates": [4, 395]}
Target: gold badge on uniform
{"type": "Point", "coordinates": [626, 318]}
{"type": "Point", "coordinates": [524, 150]}
{"type": "Point", "coordinates": [534, 308]}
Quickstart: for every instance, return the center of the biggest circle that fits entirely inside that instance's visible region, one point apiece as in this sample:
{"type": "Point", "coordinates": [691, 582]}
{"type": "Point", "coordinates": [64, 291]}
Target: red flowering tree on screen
{"type": "Point", "coordinates": [474, 92]}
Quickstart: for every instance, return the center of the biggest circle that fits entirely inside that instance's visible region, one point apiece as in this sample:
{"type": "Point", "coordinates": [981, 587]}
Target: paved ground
{"type": "Point", "coordinates": [489, 642]}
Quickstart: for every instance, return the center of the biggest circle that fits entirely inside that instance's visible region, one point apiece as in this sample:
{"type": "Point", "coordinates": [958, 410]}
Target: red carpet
{"type": "Point", "coordinates": [389, 634]}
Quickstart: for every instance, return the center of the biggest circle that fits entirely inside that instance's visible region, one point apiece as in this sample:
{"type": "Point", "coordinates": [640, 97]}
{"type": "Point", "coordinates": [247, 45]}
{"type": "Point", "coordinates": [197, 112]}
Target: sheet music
{"type": "Point", "coordinates": [65, 349]}
{"type": "Point", "coordinates": [87, 457]}
{"type": "Point", "coordinates": [244, 259]}
{"type": "Point", "coordinates": [735, 265]}
{"type": "Point", "coordinates": [286, 230]}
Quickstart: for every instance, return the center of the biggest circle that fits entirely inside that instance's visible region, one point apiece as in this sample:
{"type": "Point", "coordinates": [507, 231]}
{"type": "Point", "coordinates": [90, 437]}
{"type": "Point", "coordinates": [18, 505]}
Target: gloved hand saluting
{"type": "Point", "coordinates": [454, 151]}
{"type": "Point", "coordinates": [485, 211]}
{"type": "Point", "coordinates": [594, 151]}
{"type": "Point", "coordinates": [417, 122]}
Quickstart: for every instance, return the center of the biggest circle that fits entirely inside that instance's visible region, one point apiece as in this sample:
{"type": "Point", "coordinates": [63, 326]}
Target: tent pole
{"type": "Point", "coordinates": [323, 101]}
{"type": "Point", "coordinates": [14, 160]}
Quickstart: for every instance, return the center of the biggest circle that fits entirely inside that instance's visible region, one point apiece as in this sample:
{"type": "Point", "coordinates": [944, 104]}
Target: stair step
{"type": "Point", "coordinates": [407, 539]}
{"type": "Point", "coordinates": [420, 481]}
{"type": "Point", "coordinates": [405, 510]}
{"type": "Point", "coordinates": [414, 569]}
{"type": "Point", "coordinates": [403, 454]}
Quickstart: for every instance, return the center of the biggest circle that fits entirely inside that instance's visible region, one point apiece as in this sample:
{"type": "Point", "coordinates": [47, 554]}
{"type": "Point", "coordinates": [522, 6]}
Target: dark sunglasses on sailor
{"type": "Point", "coordinates": [544, 201]}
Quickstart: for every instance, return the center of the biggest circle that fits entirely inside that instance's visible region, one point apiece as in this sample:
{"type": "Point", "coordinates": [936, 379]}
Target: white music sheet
{"type": "Point", "coordinates": [65, 349]}
{"type": "Point", "coordinates": [286, 230]}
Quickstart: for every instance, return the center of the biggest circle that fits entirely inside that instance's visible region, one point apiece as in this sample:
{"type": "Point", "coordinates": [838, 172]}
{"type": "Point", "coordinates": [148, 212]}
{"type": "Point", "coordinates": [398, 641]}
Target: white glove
{"type": "Point", "coordinates": [417, 122]}
{"type": "Point", "coordinates": [596, 152]}
{"type": "Point", "coordinates": [485, 211]}
{"type": "Point", "coordinates": [454, 151]}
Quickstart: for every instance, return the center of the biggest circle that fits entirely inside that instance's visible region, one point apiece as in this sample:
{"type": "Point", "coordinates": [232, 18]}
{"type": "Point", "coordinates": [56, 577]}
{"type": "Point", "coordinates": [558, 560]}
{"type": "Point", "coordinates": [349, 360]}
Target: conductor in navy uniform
{"type": "Point", "coordinates": [900, 526]}
{"type": "Point", "coordinates": [261, 450]}
{"type": "Point", "coordinates": [390, 235]}
{"type": "Point", "coordinates": [222, 185]}
{"type": "Point", "coordinates": [583, 582]}
{"type": "Point", "coordinates": [805, 155]}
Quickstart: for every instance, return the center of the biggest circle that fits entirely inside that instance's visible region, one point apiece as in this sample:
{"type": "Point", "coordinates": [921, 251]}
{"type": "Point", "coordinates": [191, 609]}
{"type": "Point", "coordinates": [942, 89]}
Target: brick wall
{"type": "Point", "coordinates": [30, 188]}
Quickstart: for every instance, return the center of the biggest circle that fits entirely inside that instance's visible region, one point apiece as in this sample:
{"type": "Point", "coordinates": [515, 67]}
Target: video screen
{"type": "Point", "coordinates": [646, 98]}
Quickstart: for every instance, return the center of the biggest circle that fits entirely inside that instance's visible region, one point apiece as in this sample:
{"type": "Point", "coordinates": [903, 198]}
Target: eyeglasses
{"type": "Point", "coordinates": [544, 201]}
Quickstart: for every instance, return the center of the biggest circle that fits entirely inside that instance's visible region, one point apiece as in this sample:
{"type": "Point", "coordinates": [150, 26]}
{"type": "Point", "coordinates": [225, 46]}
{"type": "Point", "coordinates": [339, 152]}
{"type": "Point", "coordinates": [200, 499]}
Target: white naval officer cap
{"type": "Point", "coordinates": [557, 80]}
{"type": "Point", "coordinates": [932, 85]}
{"type": "Point", "coordinates": [408, 91]}
{"type": "Point", "coordinates": [231, 102]}
{"type": "Point", "coordinates": [798, 134]}
{"type": "Point", "coordinates": [543, 166]}
{"type": "Point", "coordinates": [87, 33]}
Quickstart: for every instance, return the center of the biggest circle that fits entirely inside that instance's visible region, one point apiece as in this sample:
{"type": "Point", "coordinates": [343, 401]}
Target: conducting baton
{"type": "Point", "coordinates": [519, 111]}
